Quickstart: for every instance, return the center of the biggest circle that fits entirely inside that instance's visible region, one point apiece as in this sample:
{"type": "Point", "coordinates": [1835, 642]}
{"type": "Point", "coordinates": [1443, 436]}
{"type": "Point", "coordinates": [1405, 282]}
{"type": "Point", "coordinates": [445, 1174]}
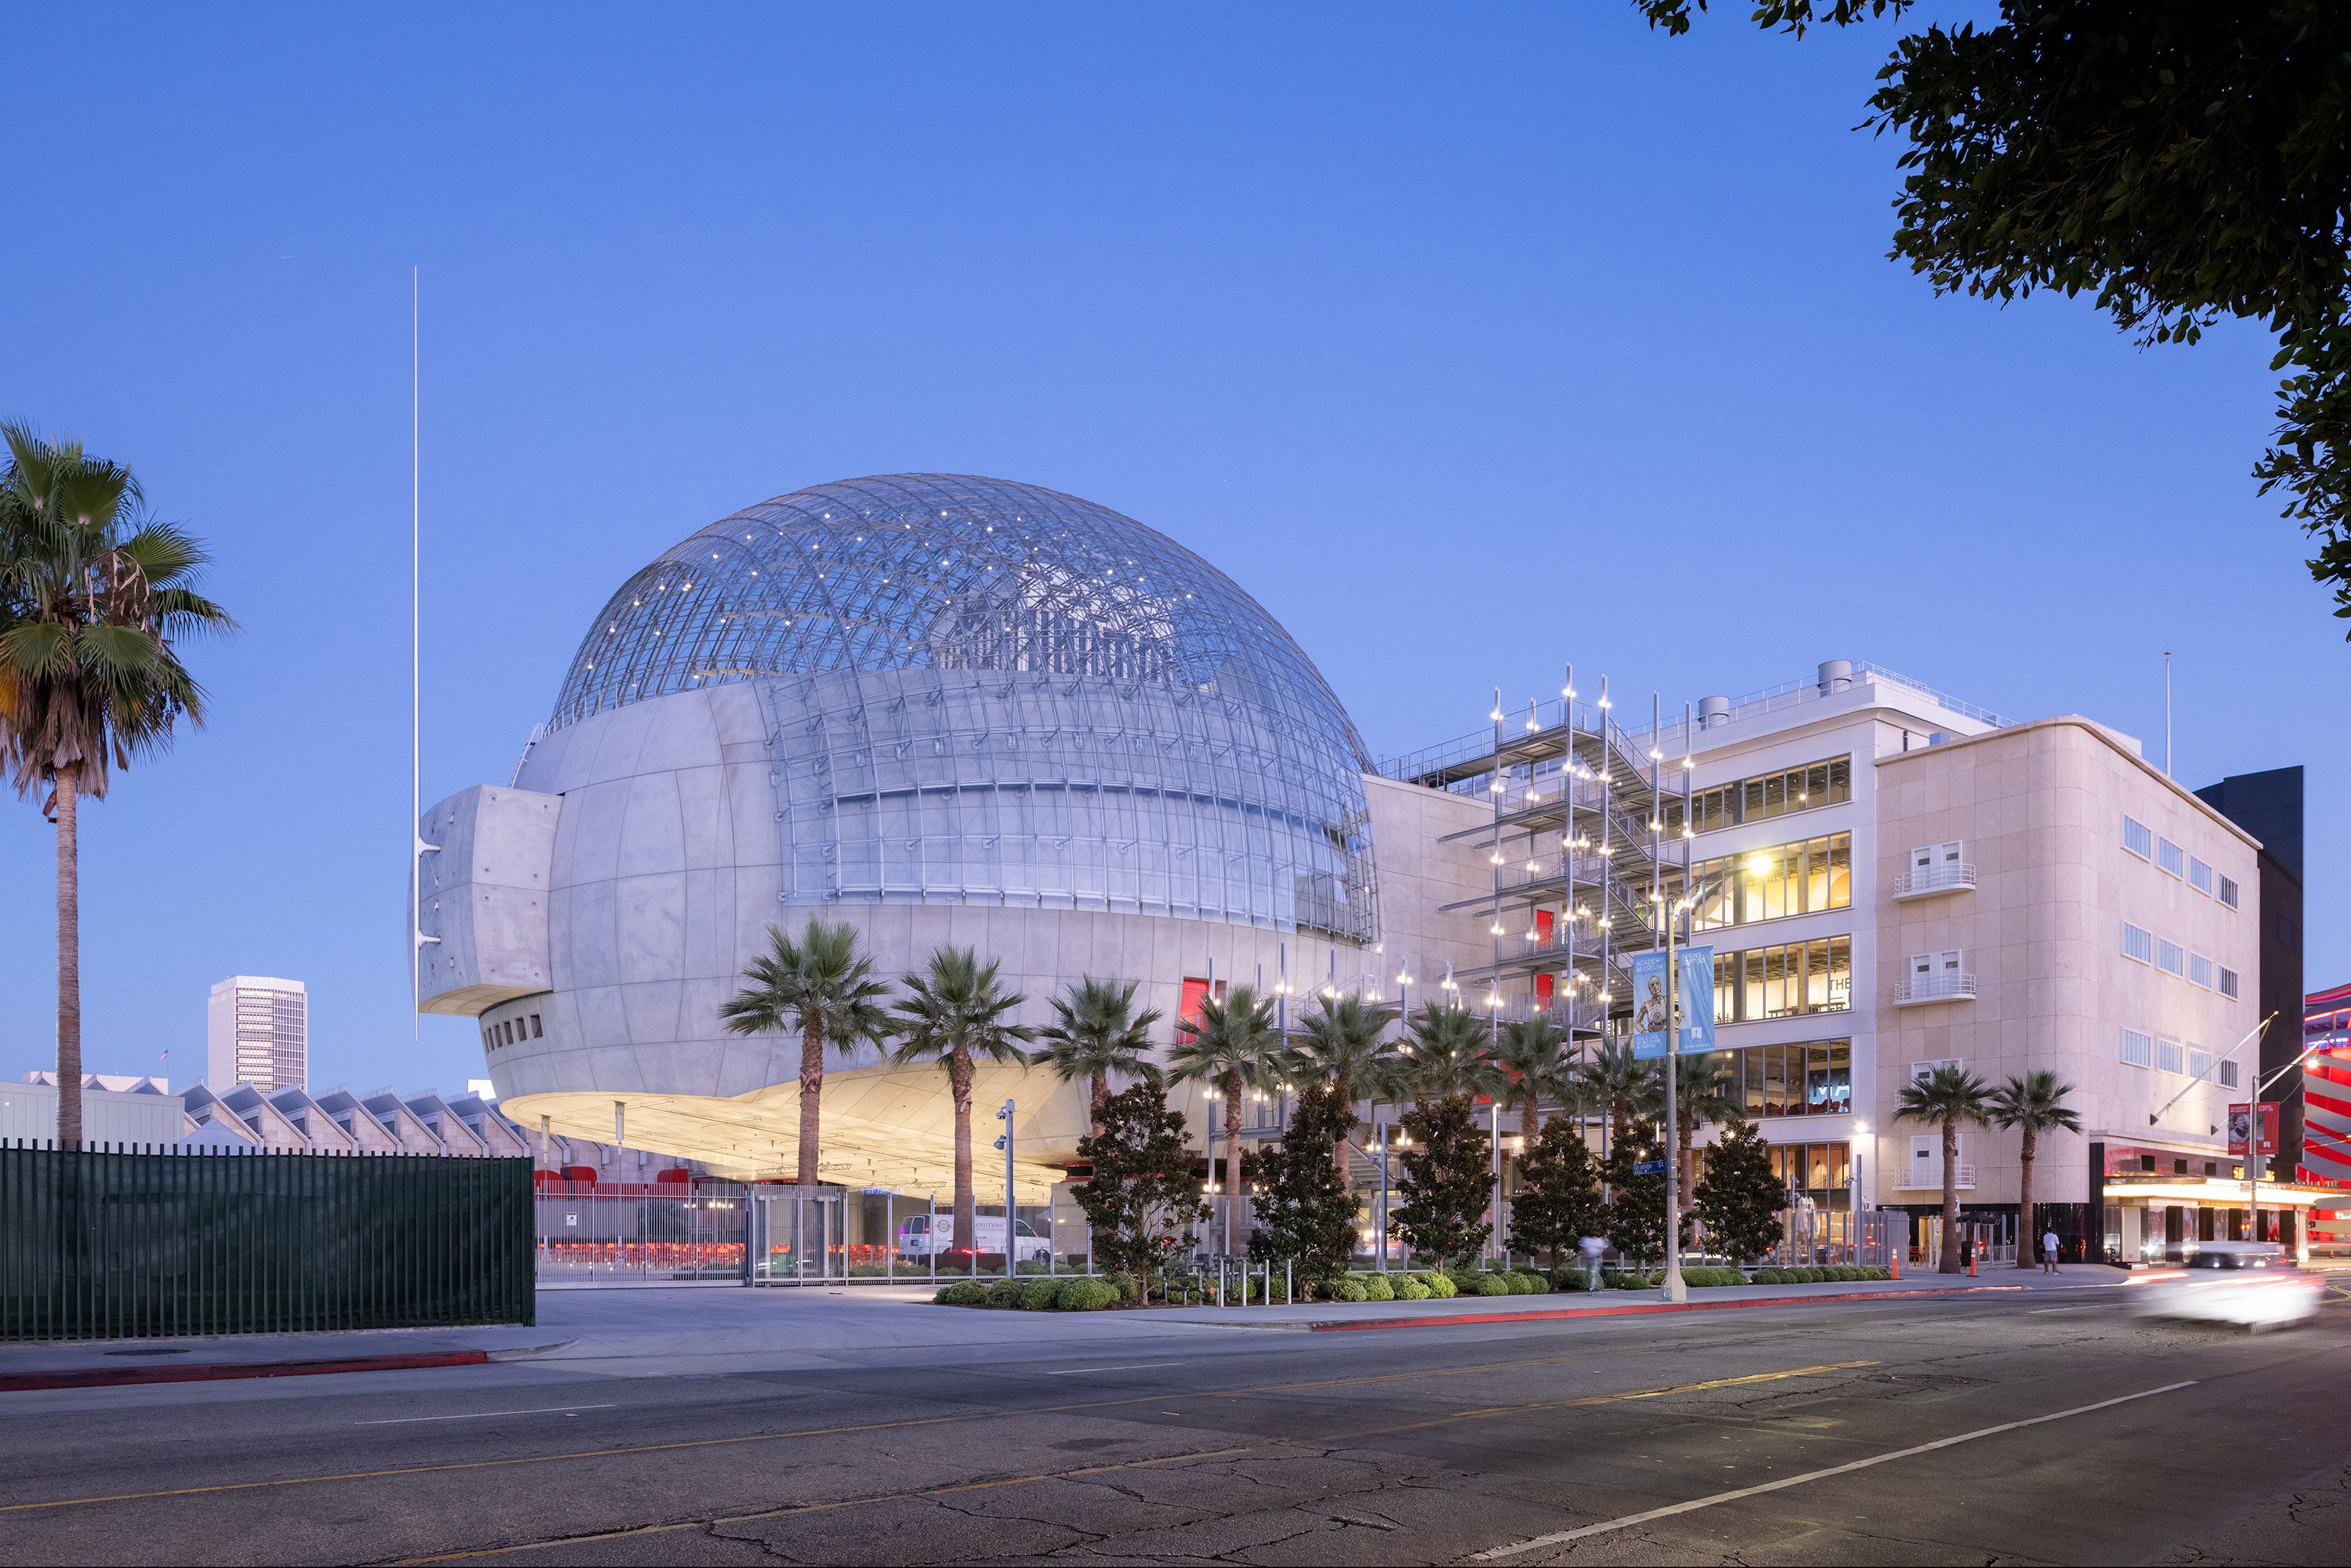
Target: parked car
{"type": "Point", "coordinates": [919, 1237]}
{"type": "Point", "coordinates": [2249, 1282]}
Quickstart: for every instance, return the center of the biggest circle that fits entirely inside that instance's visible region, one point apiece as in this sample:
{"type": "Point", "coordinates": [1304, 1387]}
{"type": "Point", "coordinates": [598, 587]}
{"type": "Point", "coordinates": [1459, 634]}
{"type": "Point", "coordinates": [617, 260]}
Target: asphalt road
{"type": "Point", "coordinates": [1967, 1430]}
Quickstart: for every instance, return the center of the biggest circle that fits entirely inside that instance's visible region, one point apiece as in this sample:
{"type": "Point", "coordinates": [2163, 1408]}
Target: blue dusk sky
{"type": "Point", "coordinates": [1471, 340]}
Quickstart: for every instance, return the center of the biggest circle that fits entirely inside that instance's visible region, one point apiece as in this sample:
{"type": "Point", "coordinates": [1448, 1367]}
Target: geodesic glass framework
{"type": "Point", "coordinates": [985, 692]}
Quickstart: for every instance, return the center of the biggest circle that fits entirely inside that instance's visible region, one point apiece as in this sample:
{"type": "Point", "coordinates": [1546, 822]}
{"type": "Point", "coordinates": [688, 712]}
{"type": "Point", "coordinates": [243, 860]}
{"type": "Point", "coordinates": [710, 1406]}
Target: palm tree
{"type": "Point", "coordinates": [1703, 1093]}
{"type": "Point", "coordinates": [1946, 1098]}
{"type": "Point", "coordinates": [92, 594]}
{"type": "Point", "coordinates": [953, 1013]}
{"type": "Point", "coordinates": [1231, 1048]}
{"type": "Point", "coordinates": [1621, 1088]}
{"type": "Point", "coordinates": [823, 984]}
{"type": "Point", "coordinates": [1448, 1050]}
{"type": "Point", "coordinates": [1539, 1058]}
{"type": "Point", "coordinates": [1340, 1044]}
{"type": "Point", "coordinates": [2032, 1104]}
{"type": "Point", "coordinates": [1096, 1032]}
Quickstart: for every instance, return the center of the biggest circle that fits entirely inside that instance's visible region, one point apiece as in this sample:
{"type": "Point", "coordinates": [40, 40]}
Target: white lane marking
{"type": "Point", "coordinates": [1630, 1519]}
{"type": "Point", "coordinates": [1123, 1366]}
{"type": "Point", "coordinates": [485, 1415]}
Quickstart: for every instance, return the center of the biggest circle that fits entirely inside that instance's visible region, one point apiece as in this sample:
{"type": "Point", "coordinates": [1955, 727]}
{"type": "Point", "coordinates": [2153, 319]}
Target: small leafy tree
{"type": "Point", "coordinates": [1142, 1200]}
{"type": "Point", "coordinates": [1558, 1201]}
{"type": "Point", "coordinates": [1446, 1183]}
{"type": "Point", "coordinates": [1304, 1209]}
{"type": "Point", "coordinates": [1637, 1204]}
{"type": "Point", "coordinates": [1738, 1197]}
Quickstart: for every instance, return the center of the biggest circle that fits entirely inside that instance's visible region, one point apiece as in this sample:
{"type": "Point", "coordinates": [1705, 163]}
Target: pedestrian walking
{"type": "Point", "coordinates": [1592, 1247]}
{"type": "Point", "coordinates": [2049, 1252]}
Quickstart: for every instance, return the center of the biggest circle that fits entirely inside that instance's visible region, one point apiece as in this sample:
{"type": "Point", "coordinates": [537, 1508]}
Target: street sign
{"type": "Point", "coordinates": [1649, 1167]}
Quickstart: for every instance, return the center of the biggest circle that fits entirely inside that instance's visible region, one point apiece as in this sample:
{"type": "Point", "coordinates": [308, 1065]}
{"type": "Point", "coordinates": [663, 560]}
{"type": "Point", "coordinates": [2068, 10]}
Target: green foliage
{"type": "Point", "coordinates": [1142, 1199]}
{"type": "Point", "coordinates": [1378, 1287]}
{"type": "Point", "coordinates": [1537, 1284]}
{"type": "Point", "coordinates": [821, 982]}
{"type": "Point", "coordinates": [1558, 1201]}
{"type": "Point", "coordinates": [1130, 1289]}
{"type": "Point", "coordinates": [1408, 1287]}
{"type": "Point", "coordinates": [1039, 1295]}
{"type": "Point", "coordinates": [1738, 1198]}
{"type": "Point", "coordinates": [1771, 1276]}
{"type": "Point", "coordinates": [1637, 1204]}
{"type": "Point", "coordinates": [1485, 1285]}
{"type": "Point", "coordinates": [1948, 1098]}
{"type": "Point", "coordinates": [1570, 1280]}
{"type": "Point", "coordinates": [1341, 1045]}
{"type": "Point", "coordinates": [2178, 160]}
{"type": "Point", "coordinates": [1448, 1054]}
{"type": "Point", "coordinates": [1304, 1212]}
{"type": "Point", "coordinates": [1349, 1288]}
{"type": "Point", "coordinates": [1437, 1284]}
{"type": "Point", "coordinates": [1005, 1293]}
{"type": "Point", "coordinates": [962, 1293]}
{"type": "Point", "coordinates": [1086, 1295]}
{"type": "Point", "coordinates": [1095, 1032]}
{"type": "Point", "coordinates": [1440, 1204]}
{"type": "Point", "coordinates": [1538, 1058]}
{"type": "Point", "coordinates": [1712, 1276]}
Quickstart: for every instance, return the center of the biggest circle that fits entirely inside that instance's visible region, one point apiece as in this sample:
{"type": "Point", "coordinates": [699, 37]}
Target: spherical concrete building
{"type": "Point", "coordinates": [944, 709]}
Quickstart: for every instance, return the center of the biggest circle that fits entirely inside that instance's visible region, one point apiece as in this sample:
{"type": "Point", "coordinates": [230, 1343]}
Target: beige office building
{"type": "Point", "coordinates": [257, 1031]}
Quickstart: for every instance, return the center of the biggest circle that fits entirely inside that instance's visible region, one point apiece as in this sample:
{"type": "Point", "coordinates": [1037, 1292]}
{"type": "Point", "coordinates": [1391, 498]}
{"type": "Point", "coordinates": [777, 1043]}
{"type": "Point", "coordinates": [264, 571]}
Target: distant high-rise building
{"type": "Point", "coordinates": [257, 1031]}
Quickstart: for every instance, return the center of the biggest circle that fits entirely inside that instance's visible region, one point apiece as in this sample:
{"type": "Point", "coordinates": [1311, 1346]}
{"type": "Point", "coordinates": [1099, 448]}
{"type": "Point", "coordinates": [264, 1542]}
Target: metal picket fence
{"type": "Point", "coordinates": [126, 1242]}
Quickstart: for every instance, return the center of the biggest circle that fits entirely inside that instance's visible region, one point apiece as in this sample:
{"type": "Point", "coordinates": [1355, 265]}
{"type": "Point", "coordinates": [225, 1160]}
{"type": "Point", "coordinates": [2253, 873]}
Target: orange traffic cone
{"type": "Point", "coordinates": [1972, 1262]}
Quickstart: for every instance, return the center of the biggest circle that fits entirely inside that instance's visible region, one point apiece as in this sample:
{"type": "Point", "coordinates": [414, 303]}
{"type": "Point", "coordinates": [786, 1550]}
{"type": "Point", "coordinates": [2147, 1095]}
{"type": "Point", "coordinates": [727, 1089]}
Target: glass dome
{"type": "Point", "coordinates": [984, 692]}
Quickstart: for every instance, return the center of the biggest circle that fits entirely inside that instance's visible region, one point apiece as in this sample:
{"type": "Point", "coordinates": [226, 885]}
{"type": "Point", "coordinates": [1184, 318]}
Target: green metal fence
{"type": "Point", "coordinates": [118, 1243]}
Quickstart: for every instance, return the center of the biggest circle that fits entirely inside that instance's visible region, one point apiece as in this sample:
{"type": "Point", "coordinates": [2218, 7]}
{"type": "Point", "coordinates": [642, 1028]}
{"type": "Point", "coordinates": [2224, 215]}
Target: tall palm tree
{"type": "Point", "coordinates": [1096, 1032]}
{"type": "Point", "coordinates": [1948, 1098]}
{"type": "Point", "coordinates": [1703, 1092]}
{"type": "Point", "coordinates": [1448, 1050]}
{"type": "Point", "coordinates": [2032, 1105]}
{"type": "Point", "coordinates": [1539, 1060]}
{"type": "Point", "coordinates": [1231, 1048]}
{"type": "Point", "coordinates": [93, 592]}
{"type": "Point", "coordinates": [1622, 1087]}
{"type": "Point", "coordinates": [953, 1012]}
{"type": "Point", "coordinates": [825, 987]}
{"type": "Point", "coordinates": [1340, 1044]}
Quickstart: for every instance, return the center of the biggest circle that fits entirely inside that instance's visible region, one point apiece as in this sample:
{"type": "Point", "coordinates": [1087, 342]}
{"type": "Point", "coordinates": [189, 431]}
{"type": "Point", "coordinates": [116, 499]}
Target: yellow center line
{"type": "Point", "coordinates": [681, 1445]}
{"type": "Point", "coordinates": [1351, 1435]}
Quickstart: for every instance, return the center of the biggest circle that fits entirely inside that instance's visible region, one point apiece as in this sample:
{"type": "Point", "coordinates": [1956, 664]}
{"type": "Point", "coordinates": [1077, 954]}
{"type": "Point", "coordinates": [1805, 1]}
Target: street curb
{"type": "Point", "coordinates": [1643, 1309]}
{"type": "Point", "coordinates": [222, 1370]}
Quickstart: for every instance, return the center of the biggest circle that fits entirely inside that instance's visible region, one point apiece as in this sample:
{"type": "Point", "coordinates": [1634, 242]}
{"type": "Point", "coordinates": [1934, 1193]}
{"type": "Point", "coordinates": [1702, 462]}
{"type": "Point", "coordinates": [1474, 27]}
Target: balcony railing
{"type": "Point", "coordinates": [1930, 1179]}
{"type": "Point", "coordinates": [1935, 879]}
{"type": "Point", "coordinates": [1922, 988]}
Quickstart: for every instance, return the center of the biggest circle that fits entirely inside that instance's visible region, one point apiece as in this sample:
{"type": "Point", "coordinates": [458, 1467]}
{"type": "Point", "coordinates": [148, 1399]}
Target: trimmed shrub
{"type": "Point", "coordinates": [1034, 1266]}
{"type": "Point", "coordinates": [1878, 1272]}
{"type": "Point", "coordinates": [962, 1293]}
{"type": "Point", "coordinates": [1713, 1278]}
{"type": "Point", "coordinates": [1537, 1284]}
{"type": "Point", "coordinates": [1085, 1295]}
{"type": "Point", "coordinates": [1003, 1293]}
{"type": "Point", "coordinates": [1039, 1295]}
{"type": "Point", "coordinates": [1771, 1276]}
{"type": "Point", "coordinates": [1570, 1280]}
{"type": "Point", "coordinates": [1378, 1287]}
{"type": "Point", "coordinates": [1491, 1284]}
{"type": "Point", "coordinates": [1350, 1287]}
{"type": "Point", "coordinates": [1440, 1286]}
{"type": "Point", "coordinates": [1408, 1288]}
{"type": "Point", "coordinates": [1129, 1288]}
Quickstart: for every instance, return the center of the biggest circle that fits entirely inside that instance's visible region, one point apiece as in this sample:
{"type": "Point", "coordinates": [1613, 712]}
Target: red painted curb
{"type": "Point", "coordinates": [1643, 1309]}
{"type": "Point", "coordinates": [220, 1370]}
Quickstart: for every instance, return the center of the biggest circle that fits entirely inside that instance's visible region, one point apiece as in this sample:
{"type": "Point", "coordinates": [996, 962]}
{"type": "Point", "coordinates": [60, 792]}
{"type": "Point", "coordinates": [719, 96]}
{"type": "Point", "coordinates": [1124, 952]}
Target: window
{"type": "Point", "coordinates": [2138, 944]}
{"type": "Point", "coordinates": [1922, 1070]}
{"type": "Point", "coordinates": [1802, 878]}
{"type": "Point", "coordinates": [2228, 1075]}
{"type": "Point", "coordinates": [1935, 866]}
{"type": "Point", "coordinates": [2200, 970]}
{"type": "Point", "coordinates": [2169, 958]}
{"type": "Point", "coordinates": [1940, 974]}
{"type": "Point", "coordinates": [1805, 788]}
{"type": "Point", "coordinates": [2200, 1064]}
{"type": "Point", "coordinates": [2199, 876]}
{"type": "Point", "coordinates": [2170, 857]}
{"type": "Point", "coordinates": [1806, 1079]}
{"type": "Point", "coordinates": [2138, 1050]}
{"type": "Point", "coordinates": [1783, 981]}
{"type": "Point", "coordinates": [535, 1032]}
{"type": "Point", "coordinates": [2228, 892]}
{"type": "Point", "coordinates": [2137, 837]}
{"type": "Point", "coordinates": [2228, 982]}
{"type": "Point", "coordinates": [2170, 1056]}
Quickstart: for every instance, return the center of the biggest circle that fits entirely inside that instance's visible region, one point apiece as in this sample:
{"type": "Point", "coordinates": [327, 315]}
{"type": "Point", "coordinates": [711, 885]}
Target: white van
{"type": "Point", "coordinates": [918, 1241]}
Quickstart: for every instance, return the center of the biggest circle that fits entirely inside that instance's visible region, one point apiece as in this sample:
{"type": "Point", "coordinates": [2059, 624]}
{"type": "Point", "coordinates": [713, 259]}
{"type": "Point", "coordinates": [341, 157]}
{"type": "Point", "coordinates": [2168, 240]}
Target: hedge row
{"type": "Point", "coordinates": [1084, 1294]}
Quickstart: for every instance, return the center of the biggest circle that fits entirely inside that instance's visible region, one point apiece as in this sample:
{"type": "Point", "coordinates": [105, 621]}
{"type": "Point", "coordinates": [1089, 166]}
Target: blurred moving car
{"type": "Point", "coordinates": [2249, 1282]}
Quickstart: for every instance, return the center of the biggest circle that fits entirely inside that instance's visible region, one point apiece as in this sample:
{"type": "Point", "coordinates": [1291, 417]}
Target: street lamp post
{"type": "Point", "coordinates": [1011, 1252]}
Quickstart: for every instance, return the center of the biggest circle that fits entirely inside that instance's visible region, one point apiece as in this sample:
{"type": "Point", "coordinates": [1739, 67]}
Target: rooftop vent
{"type": "Point", "coordinates": [1837, 676]}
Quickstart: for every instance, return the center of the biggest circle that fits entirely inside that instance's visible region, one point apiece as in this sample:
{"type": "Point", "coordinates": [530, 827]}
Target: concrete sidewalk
{"type": "Point", "coordinates": [646, 1331]}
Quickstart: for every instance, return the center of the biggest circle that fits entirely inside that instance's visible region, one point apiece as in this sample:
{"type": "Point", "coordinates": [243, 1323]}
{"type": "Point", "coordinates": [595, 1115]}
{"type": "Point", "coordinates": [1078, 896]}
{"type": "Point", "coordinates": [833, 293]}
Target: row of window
{"type": "Point", "coordinates": [2146, 947]}
{"type": "Point", "coordinates": [1802, 878]}
{"type": "Point", "coordinates": [1783, 981]}
{"type": "Point", "coordinates": [510, 1030]}
{"type": "Point", "coordinates": [1767, 795]}
{"type": "Point", "coordinates": [1806, 1079]}
{"type": "Point", "coordinates": [2143, 841]}
{"type": "Point", "coordinates": [2170, 1056]}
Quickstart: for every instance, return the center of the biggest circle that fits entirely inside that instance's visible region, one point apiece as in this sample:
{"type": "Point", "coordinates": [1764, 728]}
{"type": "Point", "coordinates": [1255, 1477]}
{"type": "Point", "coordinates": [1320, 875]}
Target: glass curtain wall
{"type": "Point", "coordinates": [1801, 878]}
{"type": "Point", "coordinates": [1828, 782]}
{"type": "Point", "coordinates": [1783, 981]}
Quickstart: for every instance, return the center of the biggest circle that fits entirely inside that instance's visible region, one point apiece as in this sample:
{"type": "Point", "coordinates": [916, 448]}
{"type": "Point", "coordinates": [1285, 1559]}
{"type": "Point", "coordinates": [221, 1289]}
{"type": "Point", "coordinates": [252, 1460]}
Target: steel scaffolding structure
{"type": "Point", "coordinates": [1588, 831]}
